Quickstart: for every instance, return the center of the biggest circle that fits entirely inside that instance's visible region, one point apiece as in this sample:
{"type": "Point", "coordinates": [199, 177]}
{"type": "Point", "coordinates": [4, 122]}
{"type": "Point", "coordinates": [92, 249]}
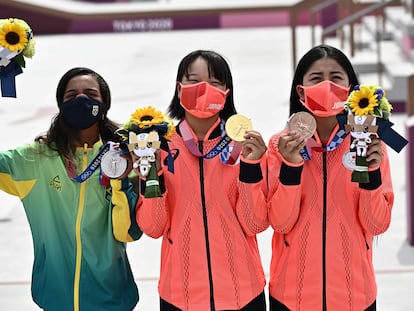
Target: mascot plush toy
{"type": "Point", "coordinates": [368, 116]}
{"type": "Point", "coordinates": [147, 131]}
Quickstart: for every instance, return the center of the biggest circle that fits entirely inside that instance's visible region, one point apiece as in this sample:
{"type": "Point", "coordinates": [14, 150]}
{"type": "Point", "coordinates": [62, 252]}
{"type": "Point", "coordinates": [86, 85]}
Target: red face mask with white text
{"type": "Point", "coordinates": [202, 100]}
{"type": "Point", "coordinates": [325, 99]}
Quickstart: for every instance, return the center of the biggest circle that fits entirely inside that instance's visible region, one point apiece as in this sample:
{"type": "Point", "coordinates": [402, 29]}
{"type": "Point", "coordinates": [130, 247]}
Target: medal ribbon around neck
{"type": "Point", "coordinates": [222, 147]}
{"type": "Point", "coordinates": [335, 142]}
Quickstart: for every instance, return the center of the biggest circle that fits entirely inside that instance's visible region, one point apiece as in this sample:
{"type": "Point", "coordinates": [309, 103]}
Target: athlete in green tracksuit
{"type": "Point", "coordinates": [79, 229]}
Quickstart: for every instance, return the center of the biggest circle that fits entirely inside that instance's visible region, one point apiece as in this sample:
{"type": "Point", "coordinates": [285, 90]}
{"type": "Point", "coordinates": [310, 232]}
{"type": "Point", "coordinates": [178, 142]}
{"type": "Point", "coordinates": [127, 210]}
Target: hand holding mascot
{"type": "Point", "coordinates": [368, 115]}
{"type": "Point", "coordinates": [147, 131]}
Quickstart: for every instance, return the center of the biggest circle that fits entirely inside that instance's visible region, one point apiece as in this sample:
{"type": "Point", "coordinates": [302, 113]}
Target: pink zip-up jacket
{"type": "Point", "coordinates": [209, 215]}
{"type": "Point", "coordinates": [324, 226]}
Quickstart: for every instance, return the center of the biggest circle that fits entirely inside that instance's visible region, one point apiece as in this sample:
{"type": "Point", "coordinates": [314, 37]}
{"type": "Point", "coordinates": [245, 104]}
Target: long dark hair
{"type": "Point", "coordinates": [218, 68]}
{"type": "Point", "coordinates": [313, 55]}
{"type": "Point", "coordinates": [62, 138]}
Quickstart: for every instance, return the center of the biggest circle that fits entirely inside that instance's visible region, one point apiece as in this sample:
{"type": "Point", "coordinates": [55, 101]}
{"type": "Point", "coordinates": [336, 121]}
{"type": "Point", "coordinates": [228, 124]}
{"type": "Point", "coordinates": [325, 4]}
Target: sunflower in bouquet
{"type": "Point", "coordinates": [365, 105]}
{"type": "Point", "coordinates": [16, 44]}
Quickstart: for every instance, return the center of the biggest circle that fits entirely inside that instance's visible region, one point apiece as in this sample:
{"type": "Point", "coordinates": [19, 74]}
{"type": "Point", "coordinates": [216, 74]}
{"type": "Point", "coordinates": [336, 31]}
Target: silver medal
{"type": "Point", "coordinates": [113, 165]}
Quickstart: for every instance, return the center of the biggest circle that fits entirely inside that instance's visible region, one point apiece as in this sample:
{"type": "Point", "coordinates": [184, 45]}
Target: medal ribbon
{"type": "Point", "coordinates": [92, 167]}
{"type": "Point", "coordinates": [220, 147]}
{"type": "Point", "coordinates": [335, 142]}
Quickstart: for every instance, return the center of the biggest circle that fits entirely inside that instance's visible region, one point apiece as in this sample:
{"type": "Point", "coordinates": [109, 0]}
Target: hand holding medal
{"type": "Point", "coordinates": [303, 123]}
{"type": "Point", "coordinates": [236, 127]}
{"type": "Point", "coordinates": [240, 129]}
{"type": "Point", "coordinates": [113, 164]}
{"type": "Point", "coordinates": [301, 126]}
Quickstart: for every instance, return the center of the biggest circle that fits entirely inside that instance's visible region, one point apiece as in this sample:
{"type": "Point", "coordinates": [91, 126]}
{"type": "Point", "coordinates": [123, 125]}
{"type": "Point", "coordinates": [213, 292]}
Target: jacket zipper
{"type": "Point", "coordinates": [79, 216]}
{"type": "Point", "coordinates": [203, 203]}
{"type": "Point", "coordinates": [325, 191]}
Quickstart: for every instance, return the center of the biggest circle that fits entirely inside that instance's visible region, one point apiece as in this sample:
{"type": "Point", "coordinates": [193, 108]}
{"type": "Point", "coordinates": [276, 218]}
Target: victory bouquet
{"type": "Point", "coordinates": [147, 131]}
{"type": "Point", "coordinates": [16, 43]}
{"type": "Point", "coordinates": [368, 114]}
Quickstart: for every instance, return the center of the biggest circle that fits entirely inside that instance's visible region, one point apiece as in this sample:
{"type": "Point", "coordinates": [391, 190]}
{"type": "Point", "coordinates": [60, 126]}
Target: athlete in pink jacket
{"type": "Point", "coordinates": [324, 223]}
{"type": "Point", "coordinates": [211, 208]}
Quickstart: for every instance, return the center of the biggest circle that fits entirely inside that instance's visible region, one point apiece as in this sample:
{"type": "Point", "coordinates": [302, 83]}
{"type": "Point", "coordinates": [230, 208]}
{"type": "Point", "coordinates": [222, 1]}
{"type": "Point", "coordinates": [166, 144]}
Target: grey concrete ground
{"type": "Point", "coordinates": [141, 69]}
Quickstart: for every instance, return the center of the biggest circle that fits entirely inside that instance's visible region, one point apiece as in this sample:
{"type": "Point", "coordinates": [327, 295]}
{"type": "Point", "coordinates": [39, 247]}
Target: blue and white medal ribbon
{"type": "Point", "coordinates": [94, 165]}
{"type": "Point", "coordinates": [335, 142]}
{"type": "Point", "coordinates": [227, 155]}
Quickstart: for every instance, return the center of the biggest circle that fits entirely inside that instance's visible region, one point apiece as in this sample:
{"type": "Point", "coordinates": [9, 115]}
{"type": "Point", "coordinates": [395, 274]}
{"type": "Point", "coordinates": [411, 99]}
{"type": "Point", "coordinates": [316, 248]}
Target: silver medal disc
{"type": "Point", "coordinates": [113, 165]}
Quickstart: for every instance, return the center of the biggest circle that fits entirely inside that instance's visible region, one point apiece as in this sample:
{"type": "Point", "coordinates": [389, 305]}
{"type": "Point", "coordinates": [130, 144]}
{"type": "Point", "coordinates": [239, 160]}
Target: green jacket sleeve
{"type": "Point", "coordinates": [17, 174]}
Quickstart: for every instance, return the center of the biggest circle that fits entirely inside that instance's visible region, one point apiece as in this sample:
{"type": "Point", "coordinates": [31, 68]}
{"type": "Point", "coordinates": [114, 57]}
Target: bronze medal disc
{"type": "Point", "coordinates": [236, 126]}
{"type": "Point", "coordinates": [302, 122]}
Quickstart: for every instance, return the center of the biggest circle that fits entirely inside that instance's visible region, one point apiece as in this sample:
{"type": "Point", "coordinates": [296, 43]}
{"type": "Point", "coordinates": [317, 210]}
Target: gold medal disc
{"type": "Point", "coordinates": [304, 123]}
{"type": "Point", "coordinates": [236, 127]}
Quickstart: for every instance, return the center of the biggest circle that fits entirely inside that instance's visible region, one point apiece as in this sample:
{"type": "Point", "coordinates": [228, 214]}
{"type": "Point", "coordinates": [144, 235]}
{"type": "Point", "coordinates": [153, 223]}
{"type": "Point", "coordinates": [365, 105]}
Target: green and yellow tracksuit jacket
{"type": "Point", "coordinates": [78, 230]}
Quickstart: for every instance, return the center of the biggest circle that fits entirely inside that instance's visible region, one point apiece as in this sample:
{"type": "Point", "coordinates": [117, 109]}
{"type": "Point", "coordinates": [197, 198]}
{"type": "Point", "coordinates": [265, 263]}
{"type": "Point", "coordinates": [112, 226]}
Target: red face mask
{"type": "Point", "coordinates": [325, 99]}
{"type": "Point", "coordinates": [202, 100]}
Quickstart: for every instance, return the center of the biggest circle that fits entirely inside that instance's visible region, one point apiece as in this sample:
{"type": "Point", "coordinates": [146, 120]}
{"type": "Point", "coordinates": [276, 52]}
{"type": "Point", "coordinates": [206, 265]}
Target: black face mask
{"type": "Point", "coordinates": [81, 112]}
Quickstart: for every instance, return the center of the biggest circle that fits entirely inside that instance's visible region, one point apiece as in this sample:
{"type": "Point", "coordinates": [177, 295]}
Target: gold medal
{"type": "Point", "coordinates": [236, 127]}
{"type": "Point", "coordinates": [304, 123]}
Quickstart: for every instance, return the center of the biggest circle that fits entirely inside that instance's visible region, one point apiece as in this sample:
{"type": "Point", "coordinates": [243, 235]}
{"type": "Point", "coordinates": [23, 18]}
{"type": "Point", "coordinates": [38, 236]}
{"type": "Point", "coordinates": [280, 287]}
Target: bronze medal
{"type": "Point", "coordinates": [236, 127]}
{"type": "Point", "coordinates": [304, 123]}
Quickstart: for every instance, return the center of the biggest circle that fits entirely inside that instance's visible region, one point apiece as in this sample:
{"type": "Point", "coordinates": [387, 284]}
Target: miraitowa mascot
{"type": "Point", "coordinates": [361, 128]}
{"type": "Point", "coordinates": [368, 114]}
{"type": "Point", "coordinates": [16, 43]}
{"type": "Point", "coordinates": [147, 131]}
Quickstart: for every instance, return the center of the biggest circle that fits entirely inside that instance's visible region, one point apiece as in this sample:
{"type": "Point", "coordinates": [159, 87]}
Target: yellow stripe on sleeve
{"type": "Point", "coordinates": [120, 214]}
{"type": "Point", "coordinates": [17, 188]}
